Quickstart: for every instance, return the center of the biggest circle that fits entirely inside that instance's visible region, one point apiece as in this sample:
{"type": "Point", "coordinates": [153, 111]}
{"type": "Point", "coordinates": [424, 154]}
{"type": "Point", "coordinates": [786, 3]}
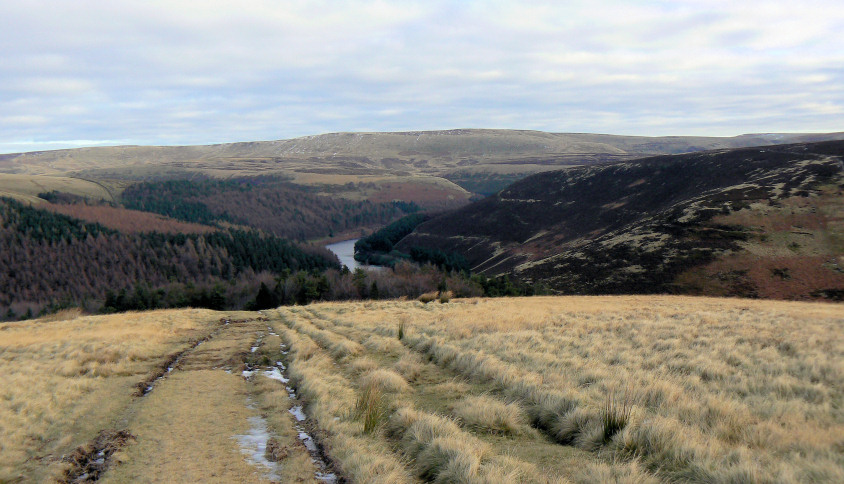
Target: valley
{"type": "Point", "coordinates": [403, 242]}
{"type": "Point", "coordinates": [157, 227]}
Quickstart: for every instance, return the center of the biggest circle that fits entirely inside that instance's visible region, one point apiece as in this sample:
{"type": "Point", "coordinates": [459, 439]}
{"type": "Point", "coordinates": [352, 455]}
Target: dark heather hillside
{"type": "Point", "coordinates": [697, 223]}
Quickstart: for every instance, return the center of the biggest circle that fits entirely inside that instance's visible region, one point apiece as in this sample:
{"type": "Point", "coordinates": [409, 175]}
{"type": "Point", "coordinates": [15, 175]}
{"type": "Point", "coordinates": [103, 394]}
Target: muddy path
{"type": "Point", "coordinates": [89, 462]}
{"type": "Point", "coordinates": [201, 416]}
{"type": "Point", "coordinates": [275, 351]}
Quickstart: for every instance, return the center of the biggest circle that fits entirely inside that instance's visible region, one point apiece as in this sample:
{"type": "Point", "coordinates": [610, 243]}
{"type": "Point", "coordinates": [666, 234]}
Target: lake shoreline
{"type": "Point", "coordinates": [345, 251]}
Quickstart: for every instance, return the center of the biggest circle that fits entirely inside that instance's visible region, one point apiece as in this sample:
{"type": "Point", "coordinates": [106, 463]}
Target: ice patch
{"type": "Point", "coordinates": [254, 445]}
{"type": "Point", "coordinates": [308, 441]}
{"type": "Point", "coordinates": [275, 374]}
{"type": "Point", "coordinates": [299, 413]}
{"type": "Point", "coordinates": [329, 477]}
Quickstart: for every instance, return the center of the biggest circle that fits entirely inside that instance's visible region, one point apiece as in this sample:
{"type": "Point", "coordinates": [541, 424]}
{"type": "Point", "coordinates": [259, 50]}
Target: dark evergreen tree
{"type": "Point", "coordinates": [265, 299]}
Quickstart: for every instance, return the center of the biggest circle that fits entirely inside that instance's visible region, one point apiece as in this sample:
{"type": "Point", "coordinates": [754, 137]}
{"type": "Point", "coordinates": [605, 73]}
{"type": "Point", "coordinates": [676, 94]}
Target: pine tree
{"type": "Point", "coordinates": [265, 298]}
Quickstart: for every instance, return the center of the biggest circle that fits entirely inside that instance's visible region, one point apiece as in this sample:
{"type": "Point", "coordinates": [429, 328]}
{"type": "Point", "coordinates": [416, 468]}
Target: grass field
{"type": "Point", "coordinates": [27, 187]}
{"type": "Point", "coordinates": [640, 388]}
{"type": "Point", "coordinates": [545, 389]}
{"type": "Point", "coordinates": [65, 380]}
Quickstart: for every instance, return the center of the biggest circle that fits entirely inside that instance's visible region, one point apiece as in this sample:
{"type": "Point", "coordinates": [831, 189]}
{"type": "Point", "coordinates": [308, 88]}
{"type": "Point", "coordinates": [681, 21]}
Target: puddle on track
{"type": "Point", "coordinates": [254, 444]}
{"type": "Point", "coordinates": [299, 413]}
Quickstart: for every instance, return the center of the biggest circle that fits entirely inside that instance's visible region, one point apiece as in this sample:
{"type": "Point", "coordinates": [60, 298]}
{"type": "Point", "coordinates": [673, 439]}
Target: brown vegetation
{"type": "Point", "coordinates": [795, 250]}
{"type": "Point", "coordinates": [64, 381]}
{"type": "Point", "coordinates": [653, 219]}
{"type": "Point", "coordinates": [49, 261]}
{"type": "Point", "coordinates": [127, 221]}
{"type": "Point", "coordinates": [658, 388]}
{"type": "Point", "coordinates": [544, 389]}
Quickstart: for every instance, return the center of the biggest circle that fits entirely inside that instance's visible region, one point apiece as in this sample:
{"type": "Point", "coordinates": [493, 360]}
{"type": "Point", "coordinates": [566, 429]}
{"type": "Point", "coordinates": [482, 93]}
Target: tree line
{"type": "Point", "coordinates": [266, 203]}
{"type": "Point", "coordinates": [49, 259]}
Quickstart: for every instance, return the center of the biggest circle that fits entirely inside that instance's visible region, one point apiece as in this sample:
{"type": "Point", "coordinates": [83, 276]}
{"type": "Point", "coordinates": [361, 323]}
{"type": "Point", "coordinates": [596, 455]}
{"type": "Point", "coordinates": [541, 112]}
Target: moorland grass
{"type": "Point", "coordinates": [66, 377]}
{"type": "Point", "coordinates": [679, 388]}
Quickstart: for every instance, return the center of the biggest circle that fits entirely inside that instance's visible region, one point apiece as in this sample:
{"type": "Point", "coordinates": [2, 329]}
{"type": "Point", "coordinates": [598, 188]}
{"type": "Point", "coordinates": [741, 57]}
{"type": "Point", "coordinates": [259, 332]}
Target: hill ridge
{"type": "Point", "coordinates": [640, 226]}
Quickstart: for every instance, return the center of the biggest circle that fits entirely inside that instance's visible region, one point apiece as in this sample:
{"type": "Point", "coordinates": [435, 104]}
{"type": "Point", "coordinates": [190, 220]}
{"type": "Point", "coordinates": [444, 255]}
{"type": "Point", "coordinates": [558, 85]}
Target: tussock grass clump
{"type": "Point", "coordinates": [384, 380]}
{"type": "Point", "coordinates": [547, 408]}
{"type": "Point", "coordinates": [371, 407]}
{"type": "Point", "coordinates": [489, 414]}
{"type": "Point", "coordinates": [409, 366]}
{"type": "Point", "coordinates": [442, 452]}
{"type": "Point", "coordinates": [450, 459]}
{"type": "Point", "coordinates": [574, 424]}
{"type": "Point", "coordinates": [615, 415]}
{"type": "Point", "coordinates": [384, 345]}
{"type": "Point", "coordinates": [362, 364]}
{"type": "Point", "coordinates": [504, 469]}
{"type": "Point", "coordinates": [617, 472]}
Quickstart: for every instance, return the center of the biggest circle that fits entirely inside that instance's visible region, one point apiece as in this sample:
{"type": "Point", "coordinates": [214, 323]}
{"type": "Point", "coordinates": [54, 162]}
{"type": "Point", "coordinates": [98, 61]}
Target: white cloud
{"type": "Point", "coordinates": [197, 72]}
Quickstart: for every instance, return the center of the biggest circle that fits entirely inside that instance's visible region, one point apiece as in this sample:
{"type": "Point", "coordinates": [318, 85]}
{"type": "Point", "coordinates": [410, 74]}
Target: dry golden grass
{"type": "Point", "coordinates": [184, 433]}
{"type": "Point", "coordinates": [547, 389]}
{"type": "Point", "coordinates": [491, 414]}
{"type": "Point", "coordinates": [672, 388]}
{"type": "Point", "coordinates": [62, 380]}
{"type": "Point", "coordinates": [382, 416]}
{"type": "Point", "coordinates": [27, 187]}
{"type": "Point", "coordinates": [386, 380]}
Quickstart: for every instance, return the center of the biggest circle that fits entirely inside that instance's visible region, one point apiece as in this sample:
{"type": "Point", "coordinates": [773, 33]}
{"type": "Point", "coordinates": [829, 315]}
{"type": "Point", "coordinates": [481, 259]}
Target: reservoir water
{"type": "Point", "coordinates": [345, 251]}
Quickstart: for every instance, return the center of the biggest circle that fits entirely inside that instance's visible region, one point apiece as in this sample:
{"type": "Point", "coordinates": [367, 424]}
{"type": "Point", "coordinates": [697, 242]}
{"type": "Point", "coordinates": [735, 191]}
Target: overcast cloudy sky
{"type": "Point", "coordinates": [86, 72]}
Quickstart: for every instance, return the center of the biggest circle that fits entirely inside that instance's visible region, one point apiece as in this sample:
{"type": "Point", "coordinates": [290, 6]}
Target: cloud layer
{"type": "Point", "coordinates": [183, 72]}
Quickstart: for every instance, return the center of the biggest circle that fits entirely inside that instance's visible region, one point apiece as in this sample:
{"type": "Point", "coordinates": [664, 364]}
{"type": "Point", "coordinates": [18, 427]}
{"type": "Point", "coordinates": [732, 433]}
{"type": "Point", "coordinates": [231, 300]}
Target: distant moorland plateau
{"type": "Point", "coordinates": [479, 160]}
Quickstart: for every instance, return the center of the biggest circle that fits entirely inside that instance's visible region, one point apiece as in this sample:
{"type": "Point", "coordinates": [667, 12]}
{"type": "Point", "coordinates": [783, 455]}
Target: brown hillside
{"type": "Point", "coordinates": [641, 226]}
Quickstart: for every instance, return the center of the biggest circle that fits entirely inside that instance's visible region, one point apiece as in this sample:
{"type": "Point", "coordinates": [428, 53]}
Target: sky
{"type": "Point", "coordinates": [90, 73]}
